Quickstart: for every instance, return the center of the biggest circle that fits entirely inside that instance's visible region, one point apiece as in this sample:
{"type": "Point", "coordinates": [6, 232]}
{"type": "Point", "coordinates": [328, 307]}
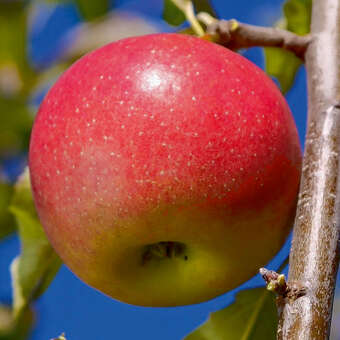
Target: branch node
{"type": "Point", "coordinates": [277, 283]}
{"type": "Point", "coordinates": [295, 291]}
{"type": "Point", "coordinates": [220, 31]}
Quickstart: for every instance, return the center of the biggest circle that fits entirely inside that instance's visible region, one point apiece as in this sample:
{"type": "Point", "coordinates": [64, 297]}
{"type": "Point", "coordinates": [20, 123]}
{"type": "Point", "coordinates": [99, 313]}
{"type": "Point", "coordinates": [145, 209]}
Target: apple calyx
{"type": "Point", "coordinates": [164, 250]}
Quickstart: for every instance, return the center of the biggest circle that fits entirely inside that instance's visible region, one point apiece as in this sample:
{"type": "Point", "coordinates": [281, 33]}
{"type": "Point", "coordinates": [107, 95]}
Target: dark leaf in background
{"type": "Point", "coordinates": [35, 268]}
{"type": "Point", "coordinates": [15, 125]}
{"type": "Point", "coordinates": [204, 6]}
{"type": "Point", "coordinates": [16, 78]}
{"type": "Point", "coordinates": [253, 316]}
{"type": "Point", "coordinates": [92, 9]}
{"type": "Point", "coordinates": [173, 15]}
{"type": "Point", "coordinates": [16, 74]}
{"type": "Point", "coordinates": [7, 223]}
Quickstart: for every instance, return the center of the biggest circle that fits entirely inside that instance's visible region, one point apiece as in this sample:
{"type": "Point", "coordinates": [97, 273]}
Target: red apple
{"type": "Point", "coordinates": [165, 169]}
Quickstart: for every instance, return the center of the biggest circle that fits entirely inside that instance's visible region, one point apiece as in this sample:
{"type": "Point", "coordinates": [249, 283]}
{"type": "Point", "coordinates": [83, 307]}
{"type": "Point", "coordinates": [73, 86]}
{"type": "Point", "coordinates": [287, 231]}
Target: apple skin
{"type": "Point", "coordinates": [165, 138]}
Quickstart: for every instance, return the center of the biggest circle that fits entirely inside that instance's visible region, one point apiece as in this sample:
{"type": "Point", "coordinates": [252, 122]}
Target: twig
{"type": "Point", "coordinates": [314, 256]}
{"type": "Point", "coordinates": [236, 35]}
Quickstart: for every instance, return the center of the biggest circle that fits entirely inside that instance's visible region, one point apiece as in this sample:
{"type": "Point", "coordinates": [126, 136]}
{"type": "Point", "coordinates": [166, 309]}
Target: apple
{"type": "Point", "coordinates": [165, 169]}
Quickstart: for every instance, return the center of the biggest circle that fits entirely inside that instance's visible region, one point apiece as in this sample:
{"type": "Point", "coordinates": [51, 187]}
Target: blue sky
{"type": "Point", "coordinates": [69, 305]}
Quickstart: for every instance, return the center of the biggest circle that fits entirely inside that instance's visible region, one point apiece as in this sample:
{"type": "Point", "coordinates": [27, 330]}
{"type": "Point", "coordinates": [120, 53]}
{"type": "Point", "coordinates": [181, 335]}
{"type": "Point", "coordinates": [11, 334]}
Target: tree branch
{"type": "Point", "coordinates": [314, 256]}
{"type": "Point", "coordinates": [235, 35]}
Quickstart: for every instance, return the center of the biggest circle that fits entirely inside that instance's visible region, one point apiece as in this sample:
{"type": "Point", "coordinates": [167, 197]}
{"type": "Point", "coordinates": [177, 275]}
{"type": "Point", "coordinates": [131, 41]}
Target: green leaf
{"type": "Point", "coordinates": [7, 223]}
{"type": "Point", "coordinates": [16, 73]}
{"type": "Point", "coordinates": [298, 15]}
{"type": "Point", "coordinates": [15, 125]}
{"type": "Point", "coordinates": [204, 6]}
{"type": "Point", "coordinates": [93, 9]}
{"type": "Point", "coordinates": [283, 65]}
{"type": "Point", "coordinates": [35, 268]}
{"type": "Point", "coordinates": [252, 316]}
{"type": "Point", "coordinates": [16, 78]}
{"type": "Point", "coordinates": [11, 329]}
{"type": "Point", "coordinates": [172, 14]}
